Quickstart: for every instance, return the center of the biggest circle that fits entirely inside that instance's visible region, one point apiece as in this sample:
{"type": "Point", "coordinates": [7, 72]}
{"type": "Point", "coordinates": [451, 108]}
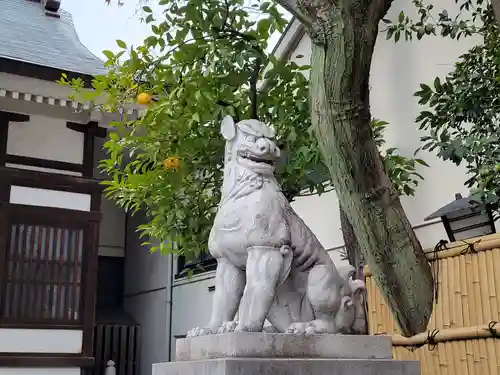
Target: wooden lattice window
{"type": "Point", "coordinates": [45, 255]}
{"type": "Point", "coordinates": [44, 274]}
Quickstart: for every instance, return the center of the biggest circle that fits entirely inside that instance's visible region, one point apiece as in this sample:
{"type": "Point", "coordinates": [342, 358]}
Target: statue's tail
{"type": "Point", "coordinates": [358, 293]}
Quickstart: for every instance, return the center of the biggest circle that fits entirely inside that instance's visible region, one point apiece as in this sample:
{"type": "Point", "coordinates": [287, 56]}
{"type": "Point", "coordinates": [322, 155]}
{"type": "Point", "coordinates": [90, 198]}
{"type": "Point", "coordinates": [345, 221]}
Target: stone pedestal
{"type": "Point", "coordinates": [279, 354]}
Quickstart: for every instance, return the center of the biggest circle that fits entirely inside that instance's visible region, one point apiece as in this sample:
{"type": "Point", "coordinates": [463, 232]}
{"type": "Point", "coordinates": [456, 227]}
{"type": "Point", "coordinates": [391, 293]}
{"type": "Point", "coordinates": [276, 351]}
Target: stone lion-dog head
{"type": "Point", "coordinates": [251, 144]}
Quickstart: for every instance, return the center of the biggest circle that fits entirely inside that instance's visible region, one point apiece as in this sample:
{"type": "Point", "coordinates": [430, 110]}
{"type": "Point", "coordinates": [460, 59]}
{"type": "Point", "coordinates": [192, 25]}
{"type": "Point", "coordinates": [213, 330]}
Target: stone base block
{"type": "Point", "coordinates": [282, 366]}
{"type": "Point", "coordinates": [273, 345]}
{"type": "Point", "coordinates": [246, 353]}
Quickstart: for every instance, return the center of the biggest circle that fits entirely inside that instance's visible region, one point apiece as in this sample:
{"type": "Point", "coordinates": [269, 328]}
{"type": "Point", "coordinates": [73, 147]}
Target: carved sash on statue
{"type": "Point", "coordinates": [270, 265]}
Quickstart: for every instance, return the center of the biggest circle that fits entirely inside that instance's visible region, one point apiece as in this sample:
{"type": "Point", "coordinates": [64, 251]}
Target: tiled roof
{"type": "Point", "coordinates": [27, 34]}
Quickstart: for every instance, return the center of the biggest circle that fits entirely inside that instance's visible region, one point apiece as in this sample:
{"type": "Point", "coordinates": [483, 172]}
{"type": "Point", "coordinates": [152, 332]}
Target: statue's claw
{"type": "Point", "coordinates": [323, 326]}
{"type": "Point", "coordinates": [310, 330]}
{"type": "Point", "coordinates": [313, 327]}
{"type": "Point", "coordinates": [227, 327]}
{"type": "Point", "coordinates": [199, 332]}
{"type": "Point", "coordinates": [269, 329]}
{"type": "Point", "coordinates": [298, 328]}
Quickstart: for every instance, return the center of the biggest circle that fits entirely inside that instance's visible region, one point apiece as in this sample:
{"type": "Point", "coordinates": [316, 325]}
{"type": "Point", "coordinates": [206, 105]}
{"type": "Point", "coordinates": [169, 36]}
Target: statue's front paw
{"type": "Point", "coordinates": [198, 331]}
{"type": "Point", "coordinates": [227, 327]}
{"type": "Point", "coordinates": [248, 328]}
{"type": "Point", "coordinates": [269, 329]}
{"type": "Point", "coordinates": [301, 329]}
{"type": "Point", "coordinates": [313, 327]}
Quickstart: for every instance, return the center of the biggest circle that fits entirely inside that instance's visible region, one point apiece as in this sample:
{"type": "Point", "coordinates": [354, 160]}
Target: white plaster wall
{"type": "Point", "coordinates": [45, 138]}
{"type": "Point", "coordinates": [49, 198]}
{"type": "Point", "coordinates": [336, 256]}
{"type": "Point", "coordinates": [40, 371]}
{"type": "Point", "coordinates": [147, 286]}
{"type": "Point", "coordinates": [192, 303]}
{"type": "Point", "coordinates": [112, 227]}
{"type": "Point", "coordinates": [15, 340]}
{"type": "Point", "coordinates": [397, 71]}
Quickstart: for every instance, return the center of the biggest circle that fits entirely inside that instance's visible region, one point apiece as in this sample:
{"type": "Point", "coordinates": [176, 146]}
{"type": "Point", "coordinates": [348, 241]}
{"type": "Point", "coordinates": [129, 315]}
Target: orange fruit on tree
{"type": "Point", "coordinates": [144, 98]}
{"type": "Point", "coordinates": [172, 163]}
{"type": "Point", "coordinates": [484, 172]}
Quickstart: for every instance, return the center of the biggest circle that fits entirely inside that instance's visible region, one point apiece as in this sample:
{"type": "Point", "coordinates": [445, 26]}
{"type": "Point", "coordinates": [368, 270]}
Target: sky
{"type": "Point", "coordinates": [99, 25]}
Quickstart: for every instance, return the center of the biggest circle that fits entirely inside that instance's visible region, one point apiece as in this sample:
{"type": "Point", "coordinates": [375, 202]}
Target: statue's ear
{"type": "Point", "coordinates": [228, 128]}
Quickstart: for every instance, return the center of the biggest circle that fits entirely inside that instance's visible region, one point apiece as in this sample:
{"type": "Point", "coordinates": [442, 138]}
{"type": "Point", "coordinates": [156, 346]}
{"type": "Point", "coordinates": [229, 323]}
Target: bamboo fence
{"type": "Point", "coordinates": [461, 337]}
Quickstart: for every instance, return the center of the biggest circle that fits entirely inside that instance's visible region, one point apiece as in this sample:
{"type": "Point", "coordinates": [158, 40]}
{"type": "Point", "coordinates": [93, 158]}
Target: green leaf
{"type": "Point", "coordinates": [397, 35]}
{"type": "Point", "coordinates": [407, 190]}
{"type": "Point", "coordinates": [389, 33]}
{"type": "Point", "coordinates": [401, 17]}
{"type": "Point", "coordinates": [121, 44]}
{"type": "Point", "coordinates": [109, 55]}
{"type": "Point", "coordinates": [421, 162]}
{"type": "Point", "coordinates": [420, 32]}
{"type": "Point", "coordinates": [263, 26]}
{"type": "Point", "coordinates": [437, 84]}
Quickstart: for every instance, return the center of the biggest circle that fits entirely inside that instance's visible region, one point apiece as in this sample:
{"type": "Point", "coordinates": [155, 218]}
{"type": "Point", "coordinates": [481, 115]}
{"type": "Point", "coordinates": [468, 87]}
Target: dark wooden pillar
{"type": "Point", "coordinates": [90, 131]}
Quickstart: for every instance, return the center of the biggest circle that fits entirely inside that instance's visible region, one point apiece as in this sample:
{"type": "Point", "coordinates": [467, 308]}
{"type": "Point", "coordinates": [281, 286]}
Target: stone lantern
{"type": "Point", "coordinates": [463, 219]}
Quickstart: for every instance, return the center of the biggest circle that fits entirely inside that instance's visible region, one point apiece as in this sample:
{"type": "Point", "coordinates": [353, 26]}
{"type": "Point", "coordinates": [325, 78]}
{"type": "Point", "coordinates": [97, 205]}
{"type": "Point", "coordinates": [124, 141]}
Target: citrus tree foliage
{"type": "Point", "coordinates": [462, 109]}
{"type": "Point", "coordinates": [400, 169]}
{"type": "Point", "coordinates": [202, 61]}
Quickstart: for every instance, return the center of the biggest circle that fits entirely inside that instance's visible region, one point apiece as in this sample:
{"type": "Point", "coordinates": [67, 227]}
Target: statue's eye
{"type": "Point", "coordinates": [250, 138]}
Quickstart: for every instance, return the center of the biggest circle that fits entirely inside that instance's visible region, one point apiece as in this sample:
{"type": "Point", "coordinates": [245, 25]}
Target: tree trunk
{"type": "Point", "coordinates": [496, 9]}
{"type": "Point", "coordinates": [343, 36]}
{"type": "Point", "coordinates": [353, 251]}
{"type": "Point", "coordinates": [355, 258]}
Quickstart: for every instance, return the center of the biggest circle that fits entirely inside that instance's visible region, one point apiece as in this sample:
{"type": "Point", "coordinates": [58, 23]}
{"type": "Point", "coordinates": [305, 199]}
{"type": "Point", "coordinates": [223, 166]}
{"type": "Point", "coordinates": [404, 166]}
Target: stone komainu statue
{"type": "Point", "coordinates": [270, 265]}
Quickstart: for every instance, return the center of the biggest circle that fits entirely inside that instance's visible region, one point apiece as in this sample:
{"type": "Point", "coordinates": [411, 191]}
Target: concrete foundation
{"type": "Point", "coordinates": [279, 354]}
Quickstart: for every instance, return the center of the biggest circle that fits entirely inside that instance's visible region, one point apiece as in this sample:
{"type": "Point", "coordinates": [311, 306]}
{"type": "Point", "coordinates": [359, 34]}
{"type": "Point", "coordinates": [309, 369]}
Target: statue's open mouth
{"type": "Point", "coordinates": [256, 159]}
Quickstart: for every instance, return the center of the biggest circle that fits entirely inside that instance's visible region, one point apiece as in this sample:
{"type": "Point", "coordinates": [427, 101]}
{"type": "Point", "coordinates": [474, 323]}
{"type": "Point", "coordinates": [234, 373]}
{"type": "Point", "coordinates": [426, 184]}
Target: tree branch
{"type": "Point", "coordinates": [253, 87]}
{"type": "Point", "coordinates": [377, 9]}
{"type": "Point", "coordinates": [294, 9]}
{"type": "Point", "coordinates": [251, 40]}
{"type": "Point", "coordinates": [314, 193]}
